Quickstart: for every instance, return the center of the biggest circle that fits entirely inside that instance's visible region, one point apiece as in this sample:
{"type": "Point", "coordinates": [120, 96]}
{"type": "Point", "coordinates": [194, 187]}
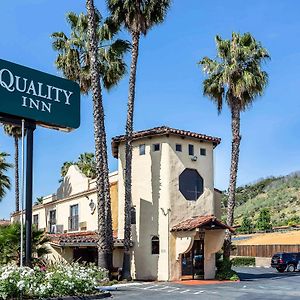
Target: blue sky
{"type": "Point", "coordinates": [169, 84]}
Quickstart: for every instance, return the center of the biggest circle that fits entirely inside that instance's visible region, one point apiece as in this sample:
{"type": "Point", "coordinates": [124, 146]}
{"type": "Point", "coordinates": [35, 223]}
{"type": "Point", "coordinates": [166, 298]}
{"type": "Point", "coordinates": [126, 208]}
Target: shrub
{"type": "Point", "coordinates": [57, 281]}
{"type": "Point", "coordinates": [243, 261]}
{"type": "Point", "coordinates": [224, 271]}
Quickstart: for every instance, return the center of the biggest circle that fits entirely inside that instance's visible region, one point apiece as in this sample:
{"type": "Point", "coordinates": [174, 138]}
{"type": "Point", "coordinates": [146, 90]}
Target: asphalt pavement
{"type": "Point", "coordinates": [256, 283]}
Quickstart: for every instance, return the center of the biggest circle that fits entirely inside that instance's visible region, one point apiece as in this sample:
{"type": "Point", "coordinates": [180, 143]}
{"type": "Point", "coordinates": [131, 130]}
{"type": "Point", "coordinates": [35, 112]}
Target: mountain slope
{"type": "Point", "coordinates": [281, 195]}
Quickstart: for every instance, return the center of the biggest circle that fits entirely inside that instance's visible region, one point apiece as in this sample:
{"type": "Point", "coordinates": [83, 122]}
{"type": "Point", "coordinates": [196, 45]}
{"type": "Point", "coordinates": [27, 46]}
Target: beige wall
{"type": "Point", "coordinates": [159, 203]}
{"type": "Point", "coordinates": [75, 189]}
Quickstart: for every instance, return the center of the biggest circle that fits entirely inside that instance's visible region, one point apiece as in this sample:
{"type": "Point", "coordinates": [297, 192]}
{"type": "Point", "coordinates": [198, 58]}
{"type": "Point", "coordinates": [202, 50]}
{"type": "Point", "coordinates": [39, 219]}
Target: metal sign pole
{"type": "Point", "coordinates": [22, 194]}
{"type": "Point", "coordinates": [28, 215]}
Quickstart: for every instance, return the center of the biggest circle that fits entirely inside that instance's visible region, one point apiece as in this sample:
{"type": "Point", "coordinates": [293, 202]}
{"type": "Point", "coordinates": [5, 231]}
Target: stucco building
{"type": "Point", "coordinates": [175, 230]}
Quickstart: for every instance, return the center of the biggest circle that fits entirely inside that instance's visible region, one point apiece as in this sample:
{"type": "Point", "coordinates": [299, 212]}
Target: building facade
{"type": "Point", "coordinates": [175, 230]}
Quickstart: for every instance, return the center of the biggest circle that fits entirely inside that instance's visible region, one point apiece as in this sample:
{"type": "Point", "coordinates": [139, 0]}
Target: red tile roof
{"type": "Point", "coordinates": [210, 222]}
{"type": "Point", "coordinates": [163, 130]}
{"type": "Point", "coordinates": [87, 238]}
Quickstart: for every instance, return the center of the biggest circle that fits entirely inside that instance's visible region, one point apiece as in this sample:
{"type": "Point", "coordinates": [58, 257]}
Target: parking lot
{"type": "Point", "coordinates": [256, 283]}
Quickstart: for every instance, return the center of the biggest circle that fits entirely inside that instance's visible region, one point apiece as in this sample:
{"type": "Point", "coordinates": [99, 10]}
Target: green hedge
{"type": "Point", "coordinates": [243, 261]}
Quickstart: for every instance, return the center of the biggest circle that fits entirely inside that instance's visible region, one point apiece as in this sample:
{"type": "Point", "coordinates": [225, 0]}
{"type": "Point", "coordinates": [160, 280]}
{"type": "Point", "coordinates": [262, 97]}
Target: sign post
{"type": "Point", "coordinates": [29, 169]}
{"type": "Point", "coordinates": [39, 99]}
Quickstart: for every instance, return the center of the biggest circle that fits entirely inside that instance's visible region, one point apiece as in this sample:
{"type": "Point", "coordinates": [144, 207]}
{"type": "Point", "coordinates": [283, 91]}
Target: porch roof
{"type": "Point", "coordinates": [76, 239]}
{"type": "Point", "coordinates": [206, 222]}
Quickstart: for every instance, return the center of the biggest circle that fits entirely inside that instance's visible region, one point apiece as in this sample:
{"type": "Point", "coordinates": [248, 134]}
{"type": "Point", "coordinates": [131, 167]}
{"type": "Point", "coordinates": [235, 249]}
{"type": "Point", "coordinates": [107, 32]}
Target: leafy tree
{"type": "Point", "coordinates": [85, 162]}
{"type": "Point", "coordinates": [264, 220]}
{"type": "Point", "coordinates": [39, 200]}
{"type": "Point", "coordinates": [10, 243]}
{"type": "Point", "coordinates": [87, 165]}
{"type": "Point", "coordinates": [4, 179]}
{"type": "Point", "coordinates": [236, 78]}
{"type": "Point", "coordinates": [16, 133]}
{"type": "Point", "coordinates": [246, 226]}
{"type": "Point", "coordinates": [92, 56]}
{"type": "Point", "coordinates": [65, 167]}
{"type": "Point", "coordinates": [138, 17]}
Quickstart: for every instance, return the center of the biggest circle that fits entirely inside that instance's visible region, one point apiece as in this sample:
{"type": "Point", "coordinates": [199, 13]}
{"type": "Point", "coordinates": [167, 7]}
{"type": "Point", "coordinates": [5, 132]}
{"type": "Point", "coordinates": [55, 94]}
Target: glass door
{"type": "Point", "coordinates": [192, 262]}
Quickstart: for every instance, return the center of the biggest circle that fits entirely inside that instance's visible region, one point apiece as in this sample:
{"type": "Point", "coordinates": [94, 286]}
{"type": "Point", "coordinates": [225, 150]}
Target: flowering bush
{"type": "Point", "coordinates": [58, 280]}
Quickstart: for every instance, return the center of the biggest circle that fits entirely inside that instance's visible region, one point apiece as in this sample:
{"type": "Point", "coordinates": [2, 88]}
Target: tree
{"type": "Point", "coordinates": [16, 133]}
{"type": "Point", "coordinates": [138, 17]}
{"type": "Point", "coordinates": [4, 179]}
{"type": "Point", "coordinates": [246, 226]}
{"type": "Point", "coordinates": [87, 165]}
{"type": "Point", "coordinates": [64, 168]}
{"type": "Point", "coordinates": [264, 220]}
{"type": "Point", "coordinates": [85, 162]}
{"type": "Point", "coordinates": [39, 200]}
{"type": "Point", "coordinates": [10, 243]}
{"type": "Point", "coordinates": [236, 78]}
{"type": "Point", "coordinates": [89, 55]}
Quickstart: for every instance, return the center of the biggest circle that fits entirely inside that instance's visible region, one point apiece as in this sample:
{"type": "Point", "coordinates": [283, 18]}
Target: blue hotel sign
{"type": "Point", "coordinates": [46, 99]}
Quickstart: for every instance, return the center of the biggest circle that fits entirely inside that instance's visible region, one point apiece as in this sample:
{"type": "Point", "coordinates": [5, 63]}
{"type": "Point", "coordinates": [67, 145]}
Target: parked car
{"type": "Point", "coordinates": [285, 261]}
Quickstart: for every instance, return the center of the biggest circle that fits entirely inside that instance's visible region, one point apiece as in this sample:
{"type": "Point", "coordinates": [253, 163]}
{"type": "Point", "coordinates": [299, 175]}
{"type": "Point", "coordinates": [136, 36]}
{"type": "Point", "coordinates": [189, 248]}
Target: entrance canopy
{"type": "Point", "coordinates": [205, 222]}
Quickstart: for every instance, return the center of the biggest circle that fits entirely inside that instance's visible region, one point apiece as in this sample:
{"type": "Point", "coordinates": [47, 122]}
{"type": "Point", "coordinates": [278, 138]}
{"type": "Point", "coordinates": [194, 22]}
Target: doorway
{"type": "Point", "coordinates": [192, 262]}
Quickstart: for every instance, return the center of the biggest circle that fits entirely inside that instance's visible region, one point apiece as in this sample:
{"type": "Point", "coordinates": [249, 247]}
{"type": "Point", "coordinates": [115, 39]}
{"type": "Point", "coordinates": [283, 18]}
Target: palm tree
{"type": "Point", "coordinates": [138, 17]}
{"type": "Point", "coordinates": [4, 179]}
{"type": "Point", "coordinates": [91, 56]}
{"type": "Point", "coordinates": [87, 165]}
{"type": "Point", "coordinates": [16, 133]}
{"type": "Point", "coordinates": [236, 78]}
{"type": "Point", "coordinates": [10, 243]}
{"type": "Point", "coordinates": [64, 168]}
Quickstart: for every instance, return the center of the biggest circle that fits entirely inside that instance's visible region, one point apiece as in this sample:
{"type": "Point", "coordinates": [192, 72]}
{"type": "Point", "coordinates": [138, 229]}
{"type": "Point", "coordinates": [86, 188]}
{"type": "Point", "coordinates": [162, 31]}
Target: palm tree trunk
{"type": "Point", "coordinates": [235, 150]}
{"type": "Point", "coordinates": [17, 195]}
{"type": "Point", "coordinates": [126, 273]}
{"type": "Point", "coordinates": [109, 230]}
{"type": "Point", "coordinates": [99, 129]}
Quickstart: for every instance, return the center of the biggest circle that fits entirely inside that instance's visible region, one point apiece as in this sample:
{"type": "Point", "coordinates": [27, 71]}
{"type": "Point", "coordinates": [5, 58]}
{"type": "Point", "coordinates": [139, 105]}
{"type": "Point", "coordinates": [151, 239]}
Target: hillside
{"type": "Point", "coordinates": [281, 195]}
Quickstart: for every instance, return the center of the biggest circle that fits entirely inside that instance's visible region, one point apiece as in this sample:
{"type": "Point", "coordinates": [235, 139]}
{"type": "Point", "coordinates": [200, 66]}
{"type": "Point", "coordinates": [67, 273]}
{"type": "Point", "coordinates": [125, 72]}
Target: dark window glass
{"type": "Point", "coordinates": [74, 218]}
{"type": "Point", "coordinates": [155, 245]}
{"type": "Point", "coordinates": [191, 149]}
{"type": "Point", "coordinates": [179, 147]}
{"type": "Point", "coordinates": [156, 147]}
{"type": "Point", "coordinates": [142, 149]}
{"type": "Point", "coordinates": [190, 184]}
{"type": "Point", "coordinates": [36, 221]}
{"type": "Point", "coordinates": [203, 151]}
{"type": "Point", "coordinates": [52, 221]}
{"type": "Point", "coordinates": [133, 216]}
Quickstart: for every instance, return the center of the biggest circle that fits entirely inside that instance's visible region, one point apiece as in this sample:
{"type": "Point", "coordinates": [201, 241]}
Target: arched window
{"type": "Point", "coordinates": [155, 245]}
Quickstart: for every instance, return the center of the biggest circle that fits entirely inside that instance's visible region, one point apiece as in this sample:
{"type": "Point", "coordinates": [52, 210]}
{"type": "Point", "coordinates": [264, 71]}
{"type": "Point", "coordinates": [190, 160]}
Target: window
{"type": "Point", "coordinates": [155, 245]}
{"type": "Point", "coordinates": [73, 219]}
{"type": "Point", "coordinates": [191, 149]}
{"type": "Point", "coordinates": [190, 184]}
{"type": "Point", "coordinates": [133, 215]}
{"type": "Point", "coordinates": [156, 147]}
{"type": "Point", "coordinates": [52, 221]}
{"type": "Point", "coordinates": [178, 147]}
{"type": "Point", "coordinates": [36, 221]}
{"type": "Point", "coordinates": [142, 149]}
{"type": "Point", "coordinates": [203, 151]}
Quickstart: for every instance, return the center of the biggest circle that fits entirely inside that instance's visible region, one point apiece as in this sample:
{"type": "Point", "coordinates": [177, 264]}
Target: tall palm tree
{"type": "Point", "coordinates": [236, 78]}
{"type": "Point", "coordinates": [138, 17]}
{"type": "Point", "coordinates": [87, 165]}
{"type": "Point", "coordinates": [4, 179]}
{"type": "Point", "coordinates": [16, 133]}
{"type": "Point", "coordinates": [92, 56]}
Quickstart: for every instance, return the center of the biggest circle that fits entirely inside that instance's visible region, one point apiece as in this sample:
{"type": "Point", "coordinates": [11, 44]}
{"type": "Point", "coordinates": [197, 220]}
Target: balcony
{"type": "Point", "coordinates": [74, 223]}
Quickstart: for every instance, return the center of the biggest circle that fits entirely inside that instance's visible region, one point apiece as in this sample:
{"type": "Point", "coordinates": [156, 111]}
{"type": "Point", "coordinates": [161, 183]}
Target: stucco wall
{"type": "Point", "coordinates": [75, 189]}
{"type": "Point", "coordinates": [159, 203]}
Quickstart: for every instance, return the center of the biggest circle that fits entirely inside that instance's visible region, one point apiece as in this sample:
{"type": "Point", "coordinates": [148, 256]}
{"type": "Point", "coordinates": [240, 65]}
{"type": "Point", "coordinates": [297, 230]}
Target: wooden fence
{"type": "Point", "coordinates": [263, 250]}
